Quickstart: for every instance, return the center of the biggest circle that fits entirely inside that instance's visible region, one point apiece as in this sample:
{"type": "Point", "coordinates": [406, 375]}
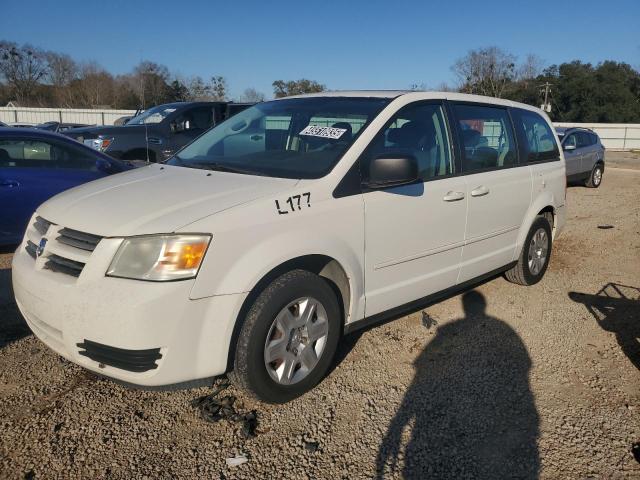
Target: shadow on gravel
{"type": "Point", "coordinates": [470, 405]}
{"type": "Point", "coordinates": [616, 308]}
{"type": "Point", "coordinates": [12, 325]}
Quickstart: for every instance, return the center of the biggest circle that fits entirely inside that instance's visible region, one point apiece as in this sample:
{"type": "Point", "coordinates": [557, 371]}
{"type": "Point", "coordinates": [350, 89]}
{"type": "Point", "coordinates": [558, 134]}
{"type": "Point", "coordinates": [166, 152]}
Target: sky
{"type": "Point", "coordinates": [342, 44]}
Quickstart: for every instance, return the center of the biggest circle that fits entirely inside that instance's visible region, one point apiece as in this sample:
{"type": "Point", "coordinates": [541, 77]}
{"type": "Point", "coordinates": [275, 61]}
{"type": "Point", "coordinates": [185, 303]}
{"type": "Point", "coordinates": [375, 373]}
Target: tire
{"type": "Point", "coordinates": [529, 271]}
{"type": "Point", "coordinates": [275, 311]}
{"type": "Point", "coordinates": [595, 177]}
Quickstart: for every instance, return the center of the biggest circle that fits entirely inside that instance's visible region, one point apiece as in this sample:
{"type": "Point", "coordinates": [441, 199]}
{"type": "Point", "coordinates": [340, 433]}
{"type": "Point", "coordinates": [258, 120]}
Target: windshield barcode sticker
{"type": "Point", "coordinates": [323, 132]}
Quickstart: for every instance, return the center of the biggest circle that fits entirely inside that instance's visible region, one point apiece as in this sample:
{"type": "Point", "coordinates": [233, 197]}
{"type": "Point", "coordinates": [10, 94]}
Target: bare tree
{"type": "Point", "coordinates": [531, 67]}
{"type": "Point", "coordinates": [251, 95]}
{"type": "Point", "coordinates": [218, 88]}
{"type": "Point", "coordinates": [198, 89]}
{"type": "Point", "coordinates": [61, 72]}
{"type": "Point", "coordinates": [22, 68]}
{"type": "Point", "coordinates": [152, 81]}
{"type": "Point", "coordinates": [125, 92]}
{"type": "Point", "coordinates": [62, 69]}
{"type": "Point", "coordinates": [485, 71]}
{"type": "Point", "coordinates": [94, 87]}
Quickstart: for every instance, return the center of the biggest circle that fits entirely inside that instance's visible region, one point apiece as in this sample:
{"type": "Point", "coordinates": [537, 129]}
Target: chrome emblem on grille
{"type": "Point", "coordinates": [40, 247]}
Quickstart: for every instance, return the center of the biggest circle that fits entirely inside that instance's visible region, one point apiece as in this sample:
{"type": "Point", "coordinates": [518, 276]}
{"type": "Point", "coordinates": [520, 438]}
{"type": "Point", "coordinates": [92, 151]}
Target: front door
{"type": "Point", "coordinates": [586, 146]}
{"type": "Point", "coordinates": [572, 155]}
{"type": "Point", "coordinates": [497, 187]}
{"type": "Point", "coordinates": [413, 233]}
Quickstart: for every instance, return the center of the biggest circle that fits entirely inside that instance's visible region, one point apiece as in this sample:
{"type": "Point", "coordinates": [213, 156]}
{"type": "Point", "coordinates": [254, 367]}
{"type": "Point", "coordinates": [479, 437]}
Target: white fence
{"type": "Point", "coordinates": [614, 136]}
{"type": "Point", "coordinates": [71, 115]}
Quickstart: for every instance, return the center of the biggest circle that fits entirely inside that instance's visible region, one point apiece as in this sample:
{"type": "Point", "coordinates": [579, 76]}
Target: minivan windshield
{"type": "Point", "coordinates": [290, 138]}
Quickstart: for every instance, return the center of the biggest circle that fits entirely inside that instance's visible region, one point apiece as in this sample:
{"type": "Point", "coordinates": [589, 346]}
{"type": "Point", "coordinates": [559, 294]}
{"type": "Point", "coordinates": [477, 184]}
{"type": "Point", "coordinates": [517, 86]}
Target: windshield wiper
{"type": "Point", "coordinates": [219, 167]}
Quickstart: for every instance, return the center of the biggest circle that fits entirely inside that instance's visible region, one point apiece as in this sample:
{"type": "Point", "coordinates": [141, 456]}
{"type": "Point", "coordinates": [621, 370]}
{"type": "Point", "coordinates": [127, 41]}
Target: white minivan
{"type": "Point", "coordinates": [257, 246]}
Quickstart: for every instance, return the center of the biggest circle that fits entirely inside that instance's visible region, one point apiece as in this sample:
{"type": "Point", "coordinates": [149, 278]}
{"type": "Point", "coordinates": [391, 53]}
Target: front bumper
{"type": "Point", "coordinates": [191, 336]}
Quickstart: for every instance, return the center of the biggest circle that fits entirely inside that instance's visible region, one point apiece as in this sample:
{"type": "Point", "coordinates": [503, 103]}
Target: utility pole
{"type": "Point", "coordinates": [546, 106]}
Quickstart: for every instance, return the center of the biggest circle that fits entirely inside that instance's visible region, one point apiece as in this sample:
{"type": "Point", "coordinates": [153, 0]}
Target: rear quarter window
{"type": "Point", "coordinates": [536, 137]}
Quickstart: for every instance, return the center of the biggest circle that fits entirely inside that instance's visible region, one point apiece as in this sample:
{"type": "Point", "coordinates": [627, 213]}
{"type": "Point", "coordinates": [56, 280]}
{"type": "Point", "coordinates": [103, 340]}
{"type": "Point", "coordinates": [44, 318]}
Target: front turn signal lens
{"type": "Point", "coordinates": [159, 258]}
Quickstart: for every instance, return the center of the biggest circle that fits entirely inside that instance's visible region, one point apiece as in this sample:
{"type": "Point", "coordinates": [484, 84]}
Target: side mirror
{"type": "Point", "coordinates": [103, 165]}
{"type": "Point", "coordinates": [568, 148]}
{"type": "Point", "coordinates": [392, 170]}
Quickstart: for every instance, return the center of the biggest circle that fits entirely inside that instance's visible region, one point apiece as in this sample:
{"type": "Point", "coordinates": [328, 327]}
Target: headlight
{"type": "Point", "coordinates": [99, 144]}
{"type": "Point", "coordinates": [159, 258]}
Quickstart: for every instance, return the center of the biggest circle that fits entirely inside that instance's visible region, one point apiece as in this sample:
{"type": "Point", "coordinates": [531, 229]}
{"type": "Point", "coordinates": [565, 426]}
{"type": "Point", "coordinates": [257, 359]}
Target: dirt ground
{"type": "Point", "coordinates": [503, 382]}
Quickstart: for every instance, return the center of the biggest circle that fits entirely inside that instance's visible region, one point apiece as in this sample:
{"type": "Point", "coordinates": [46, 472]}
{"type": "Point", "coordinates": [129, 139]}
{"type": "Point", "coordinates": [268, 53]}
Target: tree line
{"type": "Point", "coordinates": [608, 92]}
{"type": "Point", "coordinates": [30, 76]}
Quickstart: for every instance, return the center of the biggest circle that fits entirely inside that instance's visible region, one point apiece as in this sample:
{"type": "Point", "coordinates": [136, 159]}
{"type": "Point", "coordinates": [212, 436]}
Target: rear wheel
{"type": "Point", "coordinates": [595, 179]}
{"type": "Point", "coordinates": [288, 339]}
{"type": "Point", "coordinates": [534, 257]}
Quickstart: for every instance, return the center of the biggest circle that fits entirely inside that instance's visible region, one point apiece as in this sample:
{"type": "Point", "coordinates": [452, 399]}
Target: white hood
{"type": "Point", "coordinates": [155, 199]}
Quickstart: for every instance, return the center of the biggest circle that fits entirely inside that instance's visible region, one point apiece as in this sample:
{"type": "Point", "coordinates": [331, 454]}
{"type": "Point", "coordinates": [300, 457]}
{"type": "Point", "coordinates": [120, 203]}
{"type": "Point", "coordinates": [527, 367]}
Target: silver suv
{"type": "Point", "coordinates": [583, 154]}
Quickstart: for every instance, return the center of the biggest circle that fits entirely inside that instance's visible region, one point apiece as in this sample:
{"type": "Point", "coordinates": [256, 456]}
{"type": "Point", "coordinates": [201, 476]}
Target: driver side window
{"type": "Point", "coordinates": [200, 118]}
{"type": "Point", "coordinates": [418, 130]}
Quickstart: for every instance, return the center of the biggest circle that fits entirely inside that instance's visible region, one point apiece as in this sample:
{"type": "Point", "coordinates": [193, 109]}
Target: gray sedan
{"type": "Point", "coordinates": [584, 155]}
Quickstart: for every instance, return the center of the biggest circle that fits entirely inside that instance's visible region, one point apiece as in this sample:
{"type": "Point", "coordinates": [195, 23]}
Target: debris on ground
{"type": "Point", "coordinates": [635, 449]}
{"type": "Point", "coordinates": [605, 227]}
{"type": "Point", "coordinates": [311, 447]}
{"type": "Point", "coordinates": [428, 321]}
{"type": "Point", "coordinates": [237, 460]}
{"type": "Point", "coordinates": [213, 409]}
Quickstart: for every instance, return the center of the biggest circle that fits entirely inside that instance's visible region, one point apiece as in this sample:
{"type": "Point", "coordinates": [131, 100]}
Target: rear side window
{"type": "Point", "coordinates": [486, 136]}
{"type": "Point", "coordinates": [20, 153]}
{"type": "Point", "coordinates": [538, 141]}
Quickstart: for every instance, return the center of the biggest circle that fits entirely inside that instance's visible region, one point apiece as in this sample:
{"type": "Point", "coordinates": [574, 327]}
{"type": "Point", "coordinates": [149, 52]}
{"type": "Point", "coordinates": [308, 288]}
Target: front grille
{"type": "Point", "coordinates": [31, 249]}
{"type": "Point", "coordinates": [67, 251]}
{"type": "Point", "coordinates": [81, 240]}
{"type": "Point", "coordinates": [56, 263]}
{"type": "Point", "coordinates": [130, 360]}
{"type": "Point", "coordinates": [41, 225]}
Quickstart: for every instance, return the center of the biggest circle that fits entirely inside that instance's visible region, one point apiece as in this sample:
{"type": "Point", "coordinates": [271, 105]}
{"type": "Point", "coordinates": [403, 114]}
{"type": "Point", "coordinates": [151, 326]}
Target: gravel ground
{"type": "Point", "coordinates": [503, 382]}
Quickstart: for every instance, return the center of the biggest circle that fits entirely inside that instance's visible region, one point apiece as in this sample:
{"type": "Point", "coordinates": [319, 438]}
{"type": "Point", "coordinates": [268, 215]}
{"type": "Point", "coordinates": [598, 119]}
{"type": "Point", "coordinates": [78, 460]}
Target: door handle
{"type": "Point", "coordinates": [453, 196]}
{"type": "Point", "coordinates": [155, 140]}
{"type": "Point", "coordinates": [9, 183]}
{"type": "Point", "coordinates": [479, 191]}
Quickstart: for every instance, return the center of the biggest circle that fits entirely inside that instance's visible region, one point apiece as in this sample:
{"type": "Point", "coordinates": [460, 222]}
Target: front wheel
{"type": "Point", "coordinates": [288, 338]}
{"type": "Point", "coordinates": [595, 179]}
{"type": "Point", "coordinates": [535, 254]}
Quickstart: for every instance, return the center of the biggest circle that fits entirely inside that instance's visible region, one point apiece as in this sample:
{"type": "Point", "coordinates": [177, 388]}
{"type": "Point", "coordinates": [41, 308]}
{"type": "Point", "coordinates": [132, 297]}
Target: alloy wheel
{"type": "Point", "coordinates": [296, 340]}
{"type": "Point", "coordinates": [538, 251]}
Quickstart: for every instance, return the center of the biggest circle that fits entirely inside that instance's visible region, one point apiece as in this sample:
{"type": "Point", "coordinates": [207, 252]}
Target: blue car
{"type": "Point", "coordinates": [34, 166]}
